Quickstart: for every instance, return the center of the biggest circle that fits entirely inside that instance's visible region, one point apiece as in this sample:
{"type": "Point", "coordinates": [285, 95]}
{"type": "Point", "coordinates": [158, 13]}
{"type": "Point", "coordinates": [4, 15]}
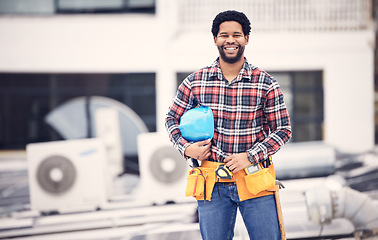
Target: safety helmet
{"type": "Point", "coordinates": [197, 124]}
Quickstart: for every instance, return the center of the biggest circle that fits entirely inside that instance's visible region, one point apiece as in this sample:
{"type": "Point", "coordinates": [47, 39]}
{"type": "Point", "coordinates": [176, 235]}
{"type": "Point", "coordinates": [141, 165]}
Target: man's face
{"type": "Point", "coordinates": [231, 41]}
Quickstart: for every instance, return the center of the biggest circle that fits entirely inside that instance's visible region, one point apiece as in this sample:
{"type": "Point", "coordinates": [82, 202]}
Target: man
{"type": "Point", "coordinates": [251, 124]}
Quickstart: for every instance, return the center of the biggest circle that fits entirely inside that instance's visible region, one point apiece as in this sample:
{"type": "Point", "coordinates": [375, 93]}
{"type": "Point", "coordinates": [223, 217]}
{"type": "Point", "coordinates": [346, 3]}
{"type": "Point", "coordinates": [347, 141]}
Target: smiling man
{"type": "Point", "coordinates": [251, 123]}
{"type": "Point", "coordinates": [231, 42]}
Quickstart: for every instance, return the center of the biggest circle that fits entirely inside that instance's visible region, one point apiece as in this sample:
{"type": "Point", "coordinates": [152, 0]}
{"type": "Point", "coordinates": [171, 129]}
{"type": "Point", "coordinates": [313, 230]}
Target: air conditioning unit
{"type": "Point", "coordinates": [162, 170]}
{"type": "Point", "coordinates": [108, 130]}
{"type": "Point", "coordinates": [67, 175]}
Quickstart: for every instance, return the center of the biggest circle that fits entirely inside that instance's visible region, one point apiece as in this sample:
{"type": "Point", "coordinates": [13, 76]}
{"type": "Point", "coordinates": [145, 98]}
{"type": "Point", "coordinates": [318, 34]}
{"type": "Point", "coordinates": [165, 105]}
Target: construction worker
{"type": "Point", "coordinates": [251, 123]}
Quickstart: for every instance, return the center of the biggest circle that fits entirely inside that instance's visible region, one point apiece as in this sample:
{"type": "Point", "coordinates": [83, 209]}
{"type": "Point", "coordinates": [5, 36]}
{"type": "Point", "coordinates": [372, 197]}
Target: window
{"type": "Point", "coordinates": [303, 93]}
{"type": "Point", "coordinates": [25, 99]}
{"type": "Point", "coordinates": [28, 7]}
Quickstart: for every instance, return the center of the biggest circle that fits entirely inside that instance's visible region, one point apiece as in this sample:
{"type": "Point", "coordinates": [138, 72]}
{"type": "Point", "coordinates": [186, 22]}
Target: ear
{"type": "Point", "coordinates": [246, 40]}
{"type": "Point", "coordinates": [215, 40]}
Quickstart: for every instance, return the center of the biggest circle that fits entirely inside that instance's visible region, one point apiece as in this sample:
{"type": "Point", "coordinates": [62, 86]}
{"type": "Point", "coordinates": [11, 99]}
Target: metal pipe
{"type": "Point", "coordinates": [356, 207]}
{"type": "Point", "coordinates": [324, 204]}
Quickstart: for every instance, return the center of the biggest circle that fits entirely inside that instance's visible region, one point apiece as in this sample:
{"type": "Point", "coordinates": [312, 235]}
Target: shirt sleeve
{"type": "Point", "coordinates": [183, 101]}
{"type": "Point", "coordinates": [277, 118]}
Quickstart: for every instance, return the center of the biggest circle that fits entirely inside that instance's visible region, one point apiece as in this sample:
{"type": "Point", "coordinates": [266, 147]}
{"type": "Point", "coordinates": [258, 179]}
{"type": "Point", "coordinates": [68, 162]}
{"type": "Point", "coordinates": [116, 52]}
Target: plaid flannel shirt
{"type": "Point", "coordinates": [249, 113]}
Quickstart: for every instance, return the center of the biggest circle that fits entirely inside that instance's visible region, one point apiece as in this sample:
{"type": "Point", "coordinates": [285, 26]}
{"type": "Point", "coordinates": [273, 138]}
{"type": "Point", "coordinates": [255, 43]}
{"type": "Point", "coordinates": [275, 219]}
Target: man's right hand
{"type": "Point", "coordinates": [199, 150]}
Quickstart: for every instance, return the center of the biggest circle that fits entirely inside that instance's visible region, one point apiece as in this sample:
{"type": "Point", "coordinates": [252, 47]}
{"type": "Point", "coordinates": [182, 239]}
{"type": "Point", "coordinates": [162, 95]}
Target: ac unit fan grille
{"type": "Point", "coordinates": [47, 181]}
{"type": "Point", "coordinates": [162, 174]}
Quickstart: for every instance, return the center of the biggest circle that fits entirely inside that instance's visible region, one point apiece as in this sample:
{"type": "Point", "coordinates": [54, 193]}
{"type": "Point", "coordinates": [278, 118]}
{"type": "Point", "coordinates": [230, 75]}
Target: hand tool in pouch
{"type": "Point", "coordinates": [223, 172]}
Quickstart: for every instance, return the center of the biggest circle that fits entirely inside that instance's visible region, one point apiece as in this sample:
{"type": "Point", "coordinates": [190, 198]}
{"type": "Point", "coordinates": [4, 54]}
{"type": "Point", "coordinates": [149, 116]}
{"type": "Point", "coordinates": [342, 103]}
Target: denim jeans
{"type": "Point", "coordinates": [217, 217]}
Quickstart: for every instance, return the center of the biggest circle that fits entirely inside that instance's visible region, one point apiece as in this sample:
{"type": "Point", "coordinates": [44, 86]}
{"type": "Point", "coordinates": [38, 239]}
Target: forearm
{"type": "Point", "coordinates": [270, 145]}
{"type": "Point", "coordinates": [278, 121]}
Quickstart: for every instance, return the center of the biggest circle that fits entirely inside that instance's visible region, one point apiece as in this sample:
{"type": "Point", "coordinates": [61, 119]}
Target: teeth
{"type": "Point", "coordinates": [230, 48]}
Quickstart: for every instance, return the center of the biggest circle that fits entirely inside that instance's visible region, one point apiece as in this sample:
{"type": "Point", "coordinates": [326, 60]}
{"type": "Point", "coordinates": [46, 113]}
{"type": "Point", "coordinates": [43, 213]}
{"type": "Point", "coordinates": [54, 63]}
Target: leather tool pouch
{"type": "Point", "coordinates": [200, 183]}
{"type": "Point", "coordinates": [259, 181]}
{"type": "Point", "coordinates": [195, 183]}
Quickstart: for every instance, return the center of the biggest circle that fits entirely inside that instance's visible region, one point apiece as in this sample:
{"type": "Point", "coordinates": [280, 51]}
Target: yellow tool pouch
{"type": "Point", "coordinates": [259, 181]}
{"type": "Point", "coordinates": [195, 183]}
{"type": "Point", "coordinates": [200, 183]}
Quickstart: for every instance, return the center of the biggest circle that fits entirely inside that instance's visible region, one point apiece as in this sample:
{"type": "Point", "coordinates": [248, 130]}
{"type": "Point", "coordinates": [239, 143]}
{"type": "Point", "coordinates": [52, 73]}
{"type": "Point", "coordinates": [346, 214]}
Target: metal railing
{"type": "Point", "coordinates": [281, 15]}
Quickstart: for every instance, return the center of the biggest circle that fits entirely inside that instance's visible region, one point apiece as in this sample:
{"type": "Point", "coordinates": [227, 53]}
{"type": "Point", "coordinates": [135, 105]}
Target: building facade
{"type": "Point", "coordinates": [320, 52]}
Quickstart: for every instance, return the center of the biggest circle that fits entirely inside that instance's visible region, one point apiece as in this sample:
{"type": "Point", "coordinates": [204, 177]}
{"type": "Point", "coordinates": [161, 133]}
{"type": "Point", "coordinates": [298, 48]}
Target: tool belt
{"type": "Point", "coordinates": [201, 181]}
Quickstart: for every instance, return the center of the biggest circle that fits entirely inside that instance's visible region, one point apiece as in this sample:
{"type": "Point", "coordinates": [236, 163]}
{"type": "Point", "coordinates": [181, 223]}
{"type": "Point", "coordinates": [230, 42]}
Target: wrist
{"type": "Point", "coordinates": [251, 158]}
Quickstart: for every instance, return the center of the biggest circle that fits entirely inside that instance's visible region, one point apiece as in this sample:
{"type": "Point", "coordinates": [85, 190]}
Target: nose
{"type": "Point", "coordinates": [230, 39]}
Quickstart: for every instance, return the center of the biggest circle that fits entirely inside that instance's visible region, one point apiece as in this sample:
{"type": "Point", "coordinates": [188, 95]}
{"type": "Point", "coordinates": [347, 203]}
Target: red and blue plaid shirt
{"type": "Point", "coordinates": [249, 113]}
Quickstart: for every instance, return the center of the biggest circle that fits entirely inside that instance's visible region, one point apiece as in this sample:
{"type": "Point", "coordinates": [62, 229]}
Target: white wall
{"type": "Point", "coordinates": [347, 62]}
{"type": "Point", "coordinates": [79, 43]}
{"type": "Point", "coordinates": [152, 43]}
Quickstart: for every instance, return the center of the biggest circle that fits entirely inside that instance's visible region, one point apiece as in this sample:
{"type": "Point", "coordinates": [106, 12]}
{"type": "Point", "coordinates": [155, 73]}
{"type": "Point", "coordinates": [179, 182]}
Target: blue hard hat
{"type": "Point", "coordinates": [197, 124]}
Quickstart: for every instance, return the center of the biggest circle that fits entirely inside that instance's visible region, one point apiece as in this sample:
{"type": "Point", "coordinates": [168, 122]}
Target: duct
{"type": "Point", "coordinates": [335, 200]}
{"type": "Point", "coordinates": [305, 159]}
{"type": "Point", "coordinates": [356, 207]}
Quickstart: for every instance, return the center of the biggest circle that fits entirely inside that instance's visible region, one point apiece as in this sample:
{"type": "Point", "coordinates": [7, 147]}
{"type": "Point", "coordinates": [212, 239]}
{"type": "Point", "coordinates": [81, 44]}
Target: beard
{"type": "Point", "coordinates": [231, 60]}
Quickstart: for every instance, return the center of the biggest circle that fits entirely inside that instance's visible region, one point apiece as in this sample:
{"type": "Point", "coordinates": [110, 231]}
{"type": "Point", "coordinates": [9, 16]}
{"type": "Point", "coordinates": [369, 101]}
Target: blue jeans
{"type": "Point", "coordinates": [217, 217]}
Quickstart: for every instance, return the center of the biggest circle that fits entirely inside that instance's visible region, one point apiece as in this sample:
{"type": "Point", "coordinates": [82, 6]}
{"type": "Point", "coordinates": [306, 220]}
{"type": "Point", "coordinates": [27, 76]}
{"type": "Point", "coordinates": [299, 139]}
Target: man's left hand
{"type": "Point", "coordinates": [237, 162]}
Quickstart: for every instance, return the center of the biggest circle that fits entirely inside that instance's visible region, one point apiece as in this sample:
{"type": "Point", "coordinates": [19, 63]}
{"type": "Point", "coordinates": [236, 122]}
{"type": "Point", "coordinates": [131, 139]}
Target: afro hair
{"type": "Point", "coordinates": [231, 15]}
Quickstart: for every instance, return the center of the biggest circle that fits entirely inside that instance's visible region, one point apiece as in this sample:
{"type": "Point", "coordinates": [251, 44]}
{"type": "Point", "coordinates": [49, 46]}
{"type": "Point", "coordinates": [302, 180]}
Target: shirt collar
{"type": "Point", "coordinates": [245, 72]}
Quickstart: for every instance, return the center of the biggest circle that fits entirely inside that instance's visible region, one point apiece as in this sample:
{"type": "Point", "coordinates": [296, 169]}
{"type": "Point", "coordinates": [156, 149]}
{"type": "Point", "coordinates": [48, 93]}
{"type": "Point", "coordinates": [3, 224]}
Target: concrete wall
{"type": "Point", "coordinates": [347, 61]}
{"type": "Point", "coordinates": [78, 43]}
